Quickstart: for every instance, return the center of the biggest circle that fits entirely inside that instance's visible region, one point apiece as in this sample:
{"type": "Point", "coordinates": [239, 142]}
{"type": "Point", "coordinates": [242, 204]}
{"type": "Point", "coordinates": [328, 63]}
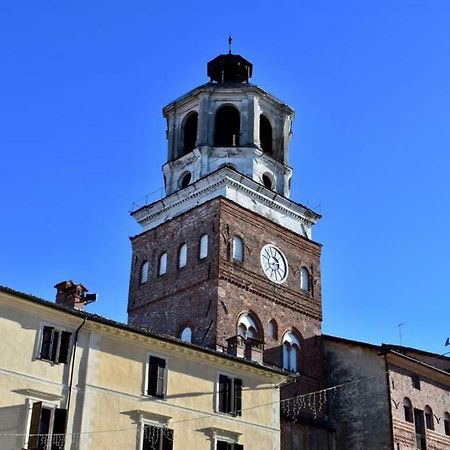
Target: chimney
{"type": "Point", "coordinates": [70, 294]}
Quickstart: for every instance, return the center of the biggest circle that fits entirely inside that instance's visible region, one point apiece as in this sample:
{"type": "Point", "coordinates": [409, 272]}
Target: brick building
{"type": "Point", "coordinates": [226, 259]}
{"type": "Point", "coordinates": [402, 401]}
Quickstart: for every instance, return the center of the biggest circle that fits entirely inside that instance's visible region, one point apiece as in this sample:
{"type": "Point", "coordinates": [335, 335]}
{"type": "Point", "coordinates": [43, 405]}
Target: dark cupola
{"type": "Point", "coordinates": [230, 68]}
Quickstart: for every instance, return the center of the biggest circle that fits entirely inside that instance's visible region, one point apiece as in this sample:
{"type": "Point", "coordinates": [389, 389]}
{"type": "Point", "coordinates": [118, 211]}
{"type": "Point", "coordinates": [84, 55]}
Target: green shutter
{"type": "Point", "coordinates": [156, 377]}
{"type": "Point", "coordinates": [237, 407]}
{"type": "Point", "coordinates": [59, 429]}
{"type": "Point", "coordinates": [34, 425]}
{"type": "Point", "coordinates": [224, 384]}
{"type": "Point", "coordinates": [64, 347]}
{"type": "Point", "coordinates": [46, 343]}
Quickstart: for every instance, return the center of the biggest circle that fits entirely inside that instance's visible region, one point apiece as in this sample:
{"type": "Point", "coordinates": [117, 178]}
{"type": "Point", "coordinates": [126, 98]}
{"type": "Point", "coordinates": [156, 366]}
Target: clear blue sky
{"type": "Point", "coordinates": [82, 84]}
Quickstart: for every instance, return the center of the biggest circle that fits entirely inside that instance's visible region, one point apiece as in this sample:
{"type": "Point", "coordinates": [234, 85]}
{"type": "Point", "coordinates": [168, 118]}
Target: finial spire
{"type": "Point", "coordinates": [230, 39]}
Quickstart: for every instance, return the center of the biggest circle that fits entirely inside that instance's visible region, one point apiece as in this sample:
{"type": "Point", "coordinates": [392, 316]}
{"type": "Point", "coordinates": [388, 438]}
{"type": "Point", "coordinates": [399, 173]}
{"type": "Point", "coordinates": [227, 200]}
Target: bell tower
{"type": "Point", "coordinates": [226, 259]}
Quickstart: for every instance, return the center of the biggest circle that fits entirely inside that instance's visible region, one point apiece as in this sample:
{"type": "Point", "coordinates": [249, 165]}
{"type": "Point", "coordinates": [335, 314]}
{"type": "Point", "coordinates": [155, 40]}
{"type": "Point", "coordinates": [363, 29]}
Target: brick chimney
{"type": "Point", "coordinates": [70, 294]}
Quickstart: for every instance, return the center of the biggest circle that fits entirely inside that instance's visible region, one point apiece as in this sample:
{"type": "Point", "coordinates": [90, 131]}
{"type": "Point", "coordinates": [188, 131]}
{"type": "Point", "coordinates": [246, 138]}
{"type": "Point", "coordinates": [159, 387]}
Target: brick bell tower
{"type": "Point", "coordinates": [226, 260]}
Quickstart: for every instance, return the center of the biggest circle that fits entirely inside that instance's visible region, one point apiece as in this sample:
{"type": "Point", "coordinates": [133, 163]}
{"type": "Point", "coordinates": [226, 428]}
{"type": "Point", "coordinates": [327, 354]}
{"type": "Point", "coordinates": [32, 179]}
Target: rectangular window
{"type": "Point", "coordinates": [55, 345]}
{"type": "Point", "coordinates": [157, 438]}
{"type": "Point", "coordinates": [421, 443]}
{"type": "Point", "coordinates": [447, 426]}
{"type": "Point", "coordinates": [230, 395]}
{"type": "Point", "coordinates": [157, 375]}
{"type": "Point", "coordinates": [47, 428]}
{"type": "Point", "coordinates": [415, 379]}
{"type": "Point", "coordinates": [223, 445]}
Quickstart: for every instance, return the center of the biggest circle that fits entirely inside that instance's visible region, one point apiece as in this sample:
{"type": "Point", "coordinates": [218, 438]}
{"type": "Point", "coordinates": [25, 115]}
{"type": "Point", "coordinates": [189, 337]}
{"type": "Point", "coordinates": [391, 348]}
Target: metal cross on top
{"type": "Point", "coordinates": [230, 39]}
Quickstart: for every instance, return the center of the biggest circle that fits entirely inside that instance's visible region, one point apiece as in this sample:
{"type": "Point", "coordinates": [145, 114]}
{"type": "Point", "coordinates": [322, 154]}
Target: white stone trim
{"type": "Point", "coordinates": [231, 185]}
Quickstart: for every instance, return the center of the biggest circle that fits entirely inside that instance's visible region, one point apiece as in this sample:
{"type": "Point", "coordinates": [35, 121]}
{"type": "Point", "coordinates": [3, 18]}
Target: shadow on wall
{"type": "Point", "coordinates": [12, 421]}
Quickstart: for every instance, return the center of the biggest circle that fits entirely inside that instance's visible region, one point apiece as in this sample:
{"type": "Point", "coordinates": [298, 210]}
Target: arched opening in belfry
{"type": "Point", "coordinates": [190, 132]}
{"type": "Point", "coordinates": [265, 134]}
{"type": "Point", "coordinates": [227, 127]}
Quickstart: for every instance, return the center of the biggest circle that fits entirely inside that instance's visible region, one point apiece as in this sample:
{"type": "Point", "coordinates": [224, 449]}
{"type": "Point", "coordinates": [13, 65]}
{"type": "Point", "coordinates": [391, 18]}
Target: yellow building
{"type": "Point", "coordinates": [74, 380]}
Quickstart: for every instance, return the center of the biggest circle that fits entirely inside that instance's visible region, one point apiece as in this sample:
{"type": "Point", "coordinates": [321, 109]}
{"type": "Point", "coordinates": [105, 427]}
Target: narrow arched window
{"type": "Point", "coordinates": [203, 251]}
{"type": "Point", "coordinates": [186, 334]}
{"type": "Point", "coordinates": [429, 422]}
{"type": "Point", "coordinates": [304, 279]}
{"type": "Point", "coordinates": [265, 134]}
{"type": "Point", "coordinates": [162, 267]}
{"type": "Point", "coordinates": [190, 132]}
{"type": "Point", "coordinates": [182, 256]}
{"type": "Point", "coordinates": [227, 127]}
{"type": "Point", "coordinates": [407, 408]}
{"type": "Point", "coordinates": [447, 423]}
{"type": "Point", "coordinates": [291, 351]}
{"type": "Point", "coordinates": [272, 330]}
{"type": "Point", "coordinates": [144, 272]}
{"type": "Point", "coordinates": [238, 249]}
{"type": "Point", "coordinates": [247, 327]}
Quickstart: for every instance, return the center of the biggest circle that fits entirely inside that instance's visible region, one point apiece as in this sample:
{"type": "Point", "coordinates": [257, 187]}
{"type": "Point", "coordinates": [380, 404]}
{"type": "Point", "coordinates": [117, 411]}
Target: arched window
{"type": "Point", "coordinates": [265, 134]}
{"type": "Point", "coordinates": [227, 127]}
{"type": "Point", "coordinates": [267, 180]}
{"type": "Point", "coordinates": [447, 423]}
{"type": "Point", "coordinates": [272, 329]}
{"type": "Point", "coordinates": [182, 256]}
{"type": "Point", "coordinates": [144, 272]}
{"type": "Point", "coordinates": [238, 249]}
{"type": "Point", "coordinates": [185, 180]}
{"type": "Point", "coordinates": [247, 327]}
{"type": "Point", "coordinates": [291, 351]}
{"type": "Point", "coordinates": [407, 408]}
{"type": "Point", "coordinates": [305, 284]}
{"type": "Point", "coordinates": [162, 267]}
{"type": "Point", "coordinates": [190, 132]}
{"type": "Point", "coordinates": [429, 422]}
{"type": "Point", "coordinates": [203, 251]}
{"type": "Point", "coordinates": [186, 334]}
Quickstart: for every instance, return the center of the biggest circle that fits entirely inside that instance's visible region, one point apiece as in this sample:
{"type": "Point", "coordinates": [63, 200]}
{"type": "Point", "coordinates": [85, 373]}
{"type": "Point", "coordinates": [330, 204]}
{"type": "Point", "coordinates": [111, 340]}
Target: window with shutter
{"type": "Point", "coordinates": [47, 427]}
{"type": "Point", "coordinates": [156, 377]}
{"type": "Point", "coordinates": [55, 345]}
{"type": "Point", "coordinates": [230, 395]}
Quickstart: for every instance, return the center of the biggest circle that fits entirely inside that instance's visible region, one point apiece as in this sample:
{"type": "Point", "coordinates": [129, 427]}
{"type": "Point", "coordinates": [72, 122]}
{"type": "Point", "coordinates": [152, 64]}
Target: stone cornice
{"type": "Point", "coordinates": [228, 88]}
{"type": "Point", "coordinates": [229, 184]}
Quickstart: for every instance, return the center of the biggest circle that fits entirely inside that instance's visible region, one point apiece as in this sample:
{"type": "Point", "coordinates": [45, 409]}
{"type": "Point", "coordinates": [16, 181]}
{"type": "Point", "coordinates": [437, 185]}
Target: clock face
{"type": "Point", "coordinates": [274, 264]}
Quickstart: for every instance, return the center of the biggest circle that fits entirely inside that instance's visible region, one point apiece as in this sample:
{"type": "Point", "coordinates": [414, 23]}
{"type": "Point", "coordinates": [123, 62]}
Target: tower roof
{"type": "Point", "coordinates": [230, 68]}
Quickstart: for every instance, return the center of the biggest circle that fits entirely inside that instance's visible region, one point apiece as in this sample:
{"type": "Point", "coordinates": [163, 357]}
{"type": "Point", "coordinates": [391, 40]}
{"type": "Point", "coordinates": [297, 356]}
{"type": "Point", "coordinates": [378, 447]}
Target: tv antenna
{"type": "Point", "coordinates": [400, 331]}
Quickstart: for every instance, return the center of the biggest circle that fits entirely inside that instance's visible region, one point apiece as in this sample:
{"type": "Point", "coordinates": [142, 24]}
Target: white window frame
{"type": "Point", "coordinates": [238, 249]}
{"type": "Point", "coordinates": [224, 435]}
{"type": "Point", "coordinates": [45, 404]}
{"type": "Point", "coordinates": [305, 279]}
{"type": "Point", "coordinates": [162, 264]}
{"type": "Point", "coordinates": [292, 341]}
{"type": "Point", "coordinates": [153, 420]}
{"type": "Point", "coordinates": [203, 247]}
{"type": "Point", "coordinates": [145, 271]}
{"type": "Point", "coordinates": [60, 329]}
{"type": "Point", "coordinates": [182, 256]}
{"type": "Point", "coordinates": [146, 375]}
{"type": "Point", "coordinates": [216, 393]}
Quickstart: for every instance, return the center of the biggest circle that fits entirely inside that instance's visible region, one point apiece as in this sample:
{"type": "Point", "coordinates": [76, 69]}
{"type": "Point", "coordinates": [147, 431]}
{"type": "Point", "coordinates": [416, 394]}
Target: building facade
{"type": "Point", "coordinates": [392, 397]}
{"type": "Point", "coordinates": [69, 379]}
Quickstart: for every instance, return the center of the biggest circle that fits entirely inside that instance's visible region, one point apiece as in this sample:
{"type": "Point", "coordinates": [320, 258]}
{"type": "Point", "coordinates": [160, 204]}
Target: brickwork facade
{"type": "Point", "coordinates": [209, 295]}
